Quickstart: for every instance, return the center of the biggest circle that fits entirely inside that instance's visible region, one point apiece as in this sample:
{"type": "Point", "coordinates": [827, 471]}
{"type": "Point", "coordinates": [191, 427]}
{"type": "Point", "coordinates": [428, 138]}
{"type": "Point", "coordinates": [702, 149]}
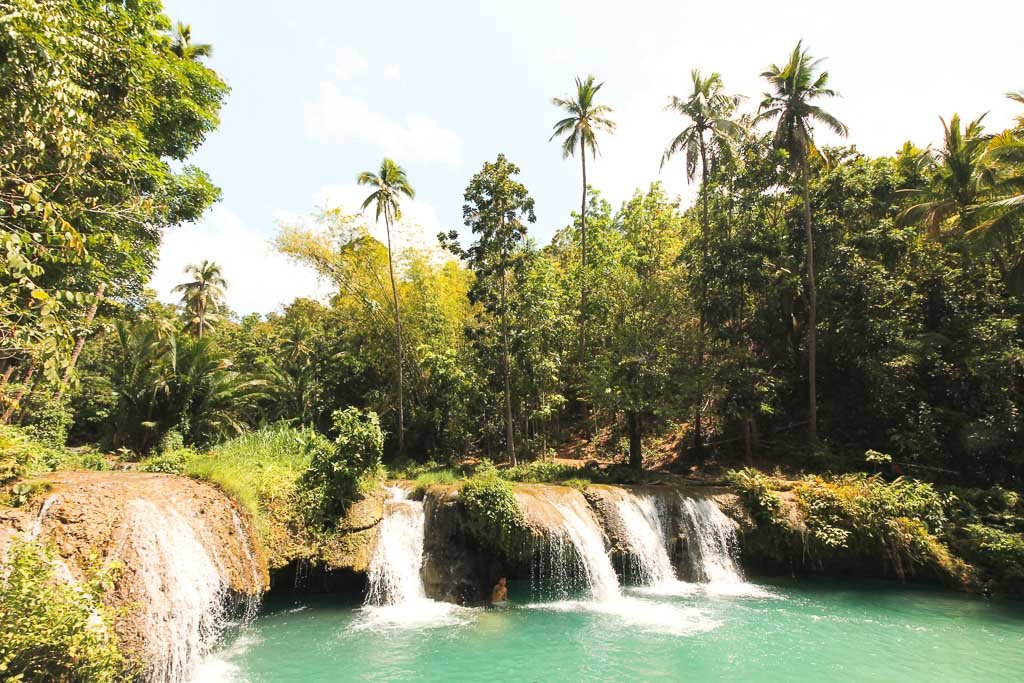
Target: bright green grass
{"type": "Point", "coordinates": [256, 469]}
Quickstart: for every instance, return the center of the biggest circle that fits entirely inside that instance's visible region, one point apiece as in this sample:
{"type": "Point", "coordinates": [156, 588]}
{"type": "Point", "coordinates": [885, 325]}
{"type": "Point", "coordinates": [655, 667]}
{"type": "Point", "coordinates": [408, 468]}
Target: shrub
{"type": "Point", "coordinates": [168, 462]}
{"type": "Point", "coordinates": [21, 454]}
{"type": "Point", "coordinates": [757, 491]}
{"type": "Point", "coordinates": [172, 440]}
{"type": "Point", "coordinates": [85, 460]}
{"type": "Point", "coordinates": [996, 549]}
{"type": "Point", "coordinates": [493, 515]}
{"type": "Point", "coordinates": [259, 469]}
{"type": "Point", "coordinates": [49, 419]}
{"type": "Point", "coordinates": [539, 472]}
{"type": "Point", "coordinates": [51, 630]}
{"type": "Point", "coordinates": [341, 470]}
{"type": "Point", "coordinates": [444, 476]}
{"type": "Point", "coordinates": [871, 516]}
{"type": "Point", "coordinates": [24, 492]}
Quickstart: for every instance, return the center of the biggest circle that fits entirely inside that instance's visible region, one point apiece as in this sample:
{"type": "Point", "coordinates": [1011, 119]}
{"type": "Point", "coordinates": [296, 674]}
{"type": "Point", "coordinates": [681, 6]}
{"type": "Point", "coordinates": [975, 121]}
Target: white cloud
{"type": "Point", "coordinates": [259, 278]}
{"type": "Point", "coordinates": [338, 118]}
{"type": "Point", "coordinates": [348, 62]}
{"type": "Point", "coordinates": [394, 71]}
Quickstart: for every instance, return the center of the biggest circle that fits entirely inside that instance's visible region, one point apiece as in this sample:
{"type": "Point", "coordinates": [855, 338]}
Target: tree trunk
{"type": "Point", "coordinates": [748, 440]}
{"type": "Point", "coordinates": [636, 456]}
{"type": "Point", "coordinates": [510, 447]}
{"type": "Point", "coordinates": [812, 313]}
{"type": "Point", "coordinates": [79, 343]}
{"type": "Point", "coordinates": [398, 337]}
{"type": "Point", "coordinates": [26, 383]}
{"type": "Point", "coordinates": [583, 272]}
{"type": "Point", "coordinates": [698, 432]}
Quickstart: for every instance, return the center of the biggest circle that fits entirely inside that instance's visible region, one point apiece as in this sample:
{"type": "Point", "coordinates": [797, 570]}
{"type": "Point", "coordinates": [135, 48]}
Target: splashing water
{"type": "Point", "coordinates": [712, 544]}
{"type": "Point", "coordinates": [186, 596]}
{"type": "Point", "coordinates": [579, 530]}
{"type": "Point", "coordinates": [642, 523]}
{"type": "Point", "coordinates": [397, 560]}
{"type": "Point", "coordinates": [396, 596]}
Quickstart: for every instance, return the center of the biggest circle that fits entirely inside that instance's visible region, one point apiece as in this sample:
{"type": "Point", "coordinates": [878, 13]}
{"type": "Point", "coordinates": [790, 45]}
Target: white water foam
{"type": "Point", "coordinates": [642, 523]}
{"type": "Point", "coordinates": [581, 530]}
{"type": "Point", "coordinates": [396, 597]}
{"type": "Point", "coordinates": [714, 549]}
{"type": "Point", "coordinates": [185, 595]}
{"type": "Point", "coordinates": [648, 615]}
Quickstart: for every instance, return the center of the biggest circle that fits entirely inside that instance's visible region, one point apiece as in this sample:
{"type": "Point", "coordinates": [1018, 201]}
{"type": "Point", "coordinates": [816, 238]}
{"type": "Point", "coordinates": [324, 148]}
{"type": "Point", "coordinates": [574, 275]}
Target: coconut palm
{"type": "Point", "coordinates": [203, 296]}
{"type": "Point", "coordinates": [710, 138]}
{"type": "Point", "coordinates": [182, 45]}
{"type": "Point", "coordinates": [391, 185]}
{"type": "Point", "coordinates": [795, 86]}
{"type": "Point", "coordinates": [579, 130]}
{"type": "Point", "coordinates": [959, 176]}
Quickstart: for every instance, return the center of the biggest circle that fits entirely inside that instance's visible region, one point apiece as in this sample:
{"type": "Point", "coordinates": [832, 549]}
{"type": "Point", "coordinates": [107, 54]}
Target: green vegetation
{"type": "Point", "coordinates": [341, 471]}
{"type": "Point", "coordinates": [955, 535]}
{"type": "Point", "coordinates": [876, 303]}
{"type": "Point", "coordinates": [493, 515]}
{"type": "Point", "coordinates": [259, 469]}
{"type": "Point", "coordinates": [54, 631]}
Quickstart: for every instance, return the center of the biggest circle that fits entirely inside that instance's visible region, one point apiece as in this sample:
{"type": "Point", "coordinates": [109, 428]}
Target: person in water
{"type": "Point", "coordinates": [499, 594]}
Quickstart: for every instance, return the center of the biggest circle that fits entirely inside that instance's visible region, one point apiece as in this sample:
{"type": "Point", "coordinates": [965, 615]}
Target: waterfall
{"type": "Point", "coordinates": [576, 550]}
{"type": "Point", "coordinates": [713, 547]}
{"type": "Point", "coordinates": [183, 585]}
{"type": "Point", "coordinates": [395, 567]}
{"type": "Point", "coordinates": [396, 595]}
{"type": "Point", "coordinates": [642, 518]}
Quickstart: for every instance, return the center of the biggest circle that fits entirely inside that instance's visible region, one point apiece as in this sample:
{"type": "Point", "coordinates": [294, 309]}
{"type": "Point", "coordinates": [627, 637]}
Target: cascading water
{"type": "Point", "coordinates": [578, 542]}
{"type": "Point", "coordinates": [396, 595]}
{"type": "Point", "coordinates": [643, 524]}
{"type": "Point", "coordinates": [187, 598]}
{"type": "Point", "coordinates": [395, 567]}
{"type": "Point", "coordinates": [712, 545]}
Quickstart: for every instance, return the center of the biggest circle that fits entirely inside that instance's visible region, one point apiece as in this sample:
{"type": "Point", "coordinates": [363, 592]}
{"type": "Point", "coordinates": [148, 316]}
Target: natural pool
{"type": "Point", "coordinates": [810, 630]}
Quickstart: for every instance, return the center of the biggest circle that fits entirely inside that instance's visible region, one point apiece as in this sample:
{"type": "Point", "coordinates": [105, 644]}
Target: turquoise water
{"type": "Point", "coordinates": [806, 630]}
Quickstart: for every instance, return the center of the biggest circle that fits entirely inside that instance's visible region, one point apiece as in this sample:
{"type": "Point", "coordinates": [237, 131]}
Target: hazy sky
{"type": "Point", "coordinates": [323, 90]}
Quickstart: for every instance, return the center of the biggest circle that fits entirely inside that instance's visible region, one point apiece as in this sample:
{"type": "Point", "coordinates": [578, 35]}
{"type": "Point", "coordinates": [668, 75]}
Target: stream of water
{"type": "Point", "coordinates": [810, 630]}
{"type": "Point", "coordinates": [589, 627]}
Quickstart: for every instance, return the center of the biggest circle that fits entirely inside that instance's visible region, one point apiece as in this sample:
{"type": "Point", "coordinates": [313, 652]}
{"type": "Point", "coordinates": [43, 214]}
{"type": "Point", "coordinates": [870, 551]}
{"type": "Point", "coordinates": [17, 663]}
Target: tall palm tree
{"type": "Point", "coordinates": [203, 296]}
{"type": "Point", "coordinates": [585, 118]}
{"type": "Point", "coordinates": [391, 184]}
{"type": "Point", "coordinates": [795, 86]}
{"type": "Point", "coordinates": [959, 175]}
{"type": "Point", "coordinates": [182, 45]}
{"type": "Point", "coordinates": [711, 137]}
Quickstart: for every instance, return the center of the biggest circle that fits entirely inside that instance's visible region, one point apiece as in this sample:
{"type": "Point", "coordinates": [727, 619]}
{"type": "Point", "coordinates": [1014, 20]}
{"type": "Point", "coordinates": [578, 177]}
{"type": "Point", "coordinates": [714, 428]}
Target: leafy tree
{"type": "Point", "coordinates": [643, 315]}
{"type": "Point", "coordinates": [795, 86]}
{"type": "Point", "coordinates": [96, 115]}
{"type": "Point", "coordinates": [391, 183]}
{"type": "Point", "coordinates": [579, 131]}
{"type": "Point", "coordinates": [203, 296]}
{"type": "Point", "coordinates": [710, 139]}
{"type": "Point", "coordinates": [496, 211]}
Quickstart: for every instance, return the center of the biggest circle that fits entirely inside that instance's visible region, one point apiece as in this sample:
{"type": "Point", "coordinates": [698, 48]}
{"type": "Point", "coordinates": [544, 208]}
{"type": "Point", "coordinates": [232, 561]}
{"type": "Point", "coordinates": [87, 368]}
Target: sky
{"type": "Point", "coordinates": [323, 90]}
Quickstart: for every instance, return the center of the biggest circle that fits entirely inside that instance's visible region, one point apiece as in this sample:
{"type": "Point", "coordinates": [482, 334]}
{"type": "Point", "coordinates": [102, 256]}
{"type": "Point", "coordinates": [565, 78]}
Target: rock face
{"type": "Point", "coordinates": [454, 567]}
{"type": "Point", "coordinates": [188, 557]}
